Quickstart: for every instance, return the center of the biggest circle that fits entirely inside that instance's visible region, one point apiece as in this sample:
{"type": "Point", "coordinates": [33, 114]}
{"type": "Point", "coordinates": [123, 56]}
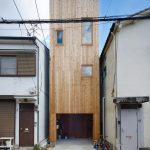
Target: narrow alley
{"type": "Point", "coordinates": [74, 144]}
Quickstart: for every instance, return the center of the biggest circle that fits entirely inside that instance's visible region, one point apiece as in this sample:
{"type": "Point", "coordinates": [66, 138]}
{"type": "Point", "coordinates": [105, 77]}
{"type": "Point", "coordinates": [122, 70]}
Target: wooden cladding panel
{"type": "Point", "coordinates": [66, 61]}
{"type": "Point", "coordinates": [26, 64]}
{"type": "Point", "coordinates": [69, 91]}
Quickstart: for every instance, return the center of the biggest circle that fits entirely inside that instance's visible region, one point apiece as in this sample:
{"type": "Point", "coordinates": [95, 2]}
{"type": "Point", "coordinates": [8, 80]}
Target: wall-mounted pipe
{"type": "Point", "coordinates": [103, 110]}
{"type": "Point", "coordinates": [37, 62]}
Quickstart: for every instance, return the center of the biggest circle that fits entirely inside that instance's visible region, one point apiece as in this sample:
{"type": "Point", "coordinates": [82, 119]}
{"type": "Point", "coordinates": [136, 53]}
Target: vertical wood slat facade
{"type": "Point", "coordinates": [70, 92]}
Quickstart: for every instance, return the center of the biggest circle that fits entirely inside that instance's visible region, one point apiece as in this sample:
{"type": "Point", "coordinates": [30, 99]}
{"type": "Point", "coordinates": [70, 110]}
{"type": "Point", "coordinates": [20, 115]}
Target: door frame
{"type": "Point", "coordinates": [130, 103]}
{"type": "Point", "coordinates": [33, 124]}
{"type": "Point", "coordinates": [136, 111]}
{"type": "Point", "coordinates": [138, 108]}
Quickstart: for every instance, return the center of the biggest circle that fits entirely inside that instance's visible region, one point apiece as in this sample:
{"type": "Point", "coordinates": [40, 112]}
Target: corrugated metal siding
{"type": "Point", "coordinates": [7, 118]}
{"type": "Point", "coordinates": [26, 64]}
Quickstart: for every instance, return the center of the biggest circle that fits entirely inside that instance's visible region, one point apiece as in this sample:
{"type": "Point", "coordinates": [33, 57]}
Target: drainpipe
{"type": "Point", "coordinates": [103, 110]}
{"type": "Point", "coordinates": [116, 112]}
{"type": "Point", "coordinates": [37, 72]}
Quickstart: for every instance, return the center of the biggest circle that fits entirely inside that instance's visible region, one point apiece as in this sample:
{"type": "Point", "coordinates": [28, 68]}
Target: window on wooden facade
{"type": "Point", "coordinates": [87, 33]}
{"type": "Point", "coordinates": [59, 37]}
{"type": "Point", "coordinates": [87, 70]}
{"type": "Point", "coordinates": [23, 64]}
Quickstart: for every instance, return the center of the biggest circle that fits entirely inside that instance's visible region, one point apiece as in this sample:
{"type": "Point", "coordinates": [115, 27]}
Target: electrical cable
{"type": "Point", "coordinates": [21, 16]}
{"type": "Point", "coordinates": [39, 20]}
{"type": "Point", "coordinates": [20, 30]}
{"type": "Point", "coordinates": [65, 27]}
{"type": "Point", "coordinates": [108, 7]}
{"type": "Point", "coordinates": [76, 20]}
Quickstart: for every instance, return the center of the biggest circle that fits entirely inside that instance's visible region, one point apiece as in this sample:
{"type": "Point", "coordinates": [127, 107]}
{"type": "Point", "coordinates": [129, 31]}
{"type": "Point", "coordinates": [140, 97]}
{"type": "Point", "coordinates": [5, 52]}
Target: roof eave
{"type": "Point", "coordinates": [109, 38]}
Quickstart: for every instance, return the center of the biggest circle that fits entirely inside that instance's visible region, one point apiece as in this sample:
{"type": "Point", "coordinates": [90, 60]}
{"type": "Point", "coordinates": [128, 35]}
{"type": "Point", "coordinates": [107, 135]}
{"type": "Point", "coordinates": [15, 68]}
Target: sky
{"type": "Point", "coordinates": [118, 7]}
{"type": "Point", "coordinates": [28, 10]}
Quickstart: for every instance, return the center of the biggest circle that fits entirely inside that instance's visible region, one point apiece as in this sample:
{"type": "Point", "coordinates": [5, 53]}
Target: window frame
{"type": "Point", "coordinates": [16, 65]}
{"type": "Point", "coordinates": [27, 75]}
{"type": "Point", "coordinates": [87, 76]}
{"type": "Point", "coordinates": [17, 75]}
{"type": "Point", "coordinates": [91, 42]}
{"type": "Point", "coordinates": [59, 44]}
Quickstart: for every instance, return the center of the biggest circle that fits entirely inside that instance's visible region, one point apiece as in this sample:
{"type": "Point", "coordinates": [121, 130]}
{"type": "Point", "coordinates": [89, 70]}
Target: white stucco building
{"type": "Point", "coordinates": [24, 86]}
{"type": "Point", "coordinates": [125, 84]}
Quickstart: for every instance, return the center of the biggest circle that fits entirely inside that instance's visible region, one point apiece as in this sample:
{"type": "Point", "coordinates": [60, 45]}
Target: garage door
{"type": "Point", "coordinates": [7, 118]}
{"type": "Point", "coordinates": [75, 125]}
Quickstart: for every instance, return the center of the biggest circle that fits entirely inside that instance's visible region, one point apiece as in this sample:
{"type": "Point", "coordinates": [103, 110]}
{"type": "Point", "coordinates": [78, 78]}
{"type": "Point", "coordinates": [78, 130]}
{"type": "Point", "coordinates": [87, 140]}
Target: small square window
{"type": "Point", "coordinates": [87, 71]}
{"type": "Point", "coordinates": [60, 37]}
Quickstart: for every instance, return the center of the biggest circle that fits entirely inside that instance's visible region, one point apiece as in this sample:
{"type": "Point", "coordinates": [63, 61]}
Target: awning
{"type": "Point", "coordinates": [10, 97]}
{"type": "Point", "coordinates": [26, 98]}
{"type": "Point", "coordinates": [131, 100]}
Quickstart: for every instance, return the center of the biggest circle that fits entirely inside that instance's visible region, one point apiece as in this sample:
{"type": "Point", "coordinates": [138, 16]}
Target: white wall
{"type": "Point", "coordinates": [17, 85]}
{"type": "Point", "coordinates": [43, 92]}
{"type": "Point", "coordinates": [133, 67]}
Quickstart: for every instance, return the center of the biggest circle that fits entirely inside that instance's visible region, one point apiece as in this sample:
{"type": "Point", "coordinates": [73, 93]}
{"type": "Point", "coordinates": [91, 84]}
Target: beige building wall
{"type": "Point", "coordinates": [109, 90]}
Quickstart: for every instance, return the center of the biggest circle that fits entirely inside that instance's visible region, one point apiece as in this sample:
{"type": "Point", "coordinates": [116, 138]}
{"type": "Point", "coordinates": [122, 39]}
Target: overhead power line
{"type": "Point", "coordinates": [75, 20]}
{"type": "Point", "coordinates": [48, 28]}
{"type": "Point", "coordinates": [20, 16]}
{"type": "Point", "coordinates": [108, 7]}
{"type": "Point", "coordinates": [40, 20]}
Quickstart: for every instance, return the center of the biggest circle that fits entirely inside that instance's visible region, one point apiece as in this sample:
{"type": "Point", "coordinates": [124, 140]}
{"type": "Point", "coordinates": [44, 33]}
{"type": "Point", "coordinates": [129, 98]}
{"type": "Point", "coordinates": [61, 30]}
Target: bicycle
{"type": "Point", "coordinates": [103, 144]}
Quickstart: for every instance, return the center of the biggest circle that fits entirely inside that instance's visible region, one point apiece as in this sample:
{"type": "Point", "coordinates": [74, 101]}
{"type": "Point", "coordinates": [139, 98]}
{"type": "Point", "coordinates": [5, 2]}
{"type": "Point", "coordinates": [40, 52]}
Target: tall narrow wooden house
{"type": "Point", "coordinates": [74, 71]}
